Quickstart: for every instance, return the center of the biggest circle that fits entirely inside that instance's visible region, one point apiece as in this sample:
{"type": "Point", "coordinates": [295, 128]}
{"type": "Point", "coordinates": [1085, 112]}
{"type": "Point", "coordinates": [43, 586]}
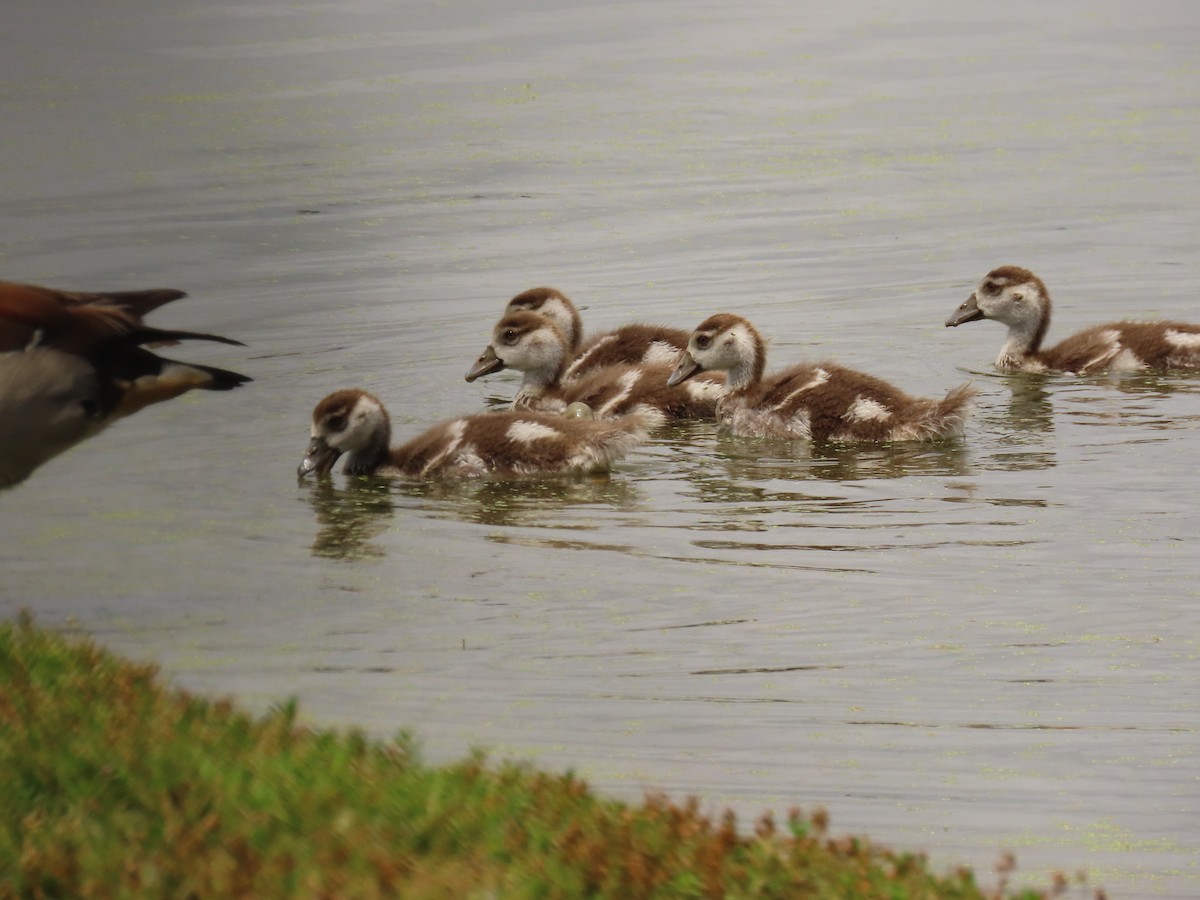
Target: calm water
{"type": "Point", "coordinates": [965, 648]}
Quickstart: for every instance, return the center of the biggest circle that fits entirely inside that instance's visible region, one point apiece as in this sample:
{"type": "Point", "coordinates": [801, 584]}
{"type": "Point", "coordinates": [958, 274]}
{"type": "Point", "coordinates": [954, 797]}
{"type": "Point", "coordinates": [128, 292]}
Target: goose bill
{"type": "Point", "coordinates": [968, 312]}
{"type": "Point", "coordinates": [684, 369]}
{"type": "Point", "coordinates": [319, 459]}
{"type": "Point", "coordinates": [487, 363]}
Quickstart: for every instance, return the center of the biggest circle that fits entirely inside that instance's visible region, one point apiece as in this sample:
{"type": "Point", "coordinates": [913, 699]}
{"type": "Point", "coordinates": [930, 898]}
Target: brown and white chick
{"type": "Point", "coordinates": [72, 363]}
{"type": "Point", "coordinates": [815, 402]}
{"type": "Point", "coordinates": [355, 424]}
{"type": "Point", "coordinates": [634, 344]}
{"type": "Point", "coordinates": [1019, 299]}
{"type": "Point", "coordinates": [535, 345]}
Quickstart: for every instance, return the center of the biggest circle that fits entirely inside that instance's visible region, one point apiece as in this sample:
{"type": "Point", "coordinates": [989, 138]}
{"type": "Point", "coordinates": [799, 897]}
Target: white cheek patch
{"type": "Point", "coordinates": [864, 409]}
{"type": "Point", "coordinates": [556, 311]}
{"type": "Point", "coordinates": [747, 346]}
{"type": "Point", "coordinates": [523, 432]}
{"type": "Point", "coordinates": [1184, 340]}
{"type": "Point", "coordinates": [531, 353]}
{"type": "Point", "coordinates": [366, 407]}
{"type": "Point", "coordinates": [661, 353]}
{"type": "Point", "coordinates": [357, 433]}
{"type": "Point", "coordinates": [369, 403]}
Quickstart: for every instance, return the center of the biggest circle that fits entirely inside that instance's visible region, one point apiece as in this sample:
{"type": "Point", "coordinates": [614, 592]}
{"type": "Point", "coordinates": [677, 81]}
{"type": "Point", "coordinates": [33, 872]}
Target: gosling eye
{"type": "Point", "coordinates": [336, 423]}
{"type": "Point", "coordinates": [702, 341]}
{"type": "Point", "coordinates": [509, 337]}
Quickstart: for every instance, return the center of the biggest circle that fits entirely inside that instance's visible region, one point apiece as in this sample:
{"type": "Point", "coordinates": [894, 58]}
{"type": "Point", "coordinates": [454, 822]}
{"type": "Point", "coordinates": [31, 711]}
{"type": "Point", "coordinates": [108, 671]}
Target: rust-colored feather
{"type": "Point", "coordinates": [72, 362]}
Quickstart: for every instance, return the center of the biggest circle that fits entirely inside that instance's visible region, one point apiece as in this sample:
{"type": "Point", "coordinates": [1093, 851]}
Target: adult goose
{"type": "Point", "coordinates": [72, 363]}
{"type": "Point", "coordinates": [355, 424]}
{"type": "Point", "coordinates": [816, 402]}
{"type": "Point", "coordinates": [1017, 298]}
{"type": "Point", "coordinates": [634, 344]}
{"type": "Point", "coordinates": [535, 345]}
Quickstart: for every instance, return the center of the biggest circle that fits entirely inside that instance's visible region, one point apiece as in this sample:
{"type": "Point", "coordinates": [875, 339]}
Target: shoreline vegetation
{"type": "Point", "coordinates": [112, 784]}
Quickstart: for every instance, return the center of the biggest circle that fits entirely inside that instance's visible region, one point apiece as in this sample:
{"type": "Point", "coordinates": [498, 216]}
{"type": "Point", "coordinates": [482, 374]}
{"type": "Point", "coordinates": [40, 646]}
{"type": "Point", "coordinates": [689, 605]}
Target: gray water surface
{"type": "Point", "coordinates": [967, 648]}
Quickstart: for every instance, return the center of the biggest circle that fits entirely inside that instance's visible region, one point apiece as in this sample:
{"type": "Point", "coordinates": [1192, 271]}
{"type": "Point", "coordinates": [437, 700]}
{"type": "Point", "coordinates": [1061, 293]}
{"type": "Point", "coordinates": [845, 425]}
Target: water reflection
{"type": "Point", "coordinates": [353, 515]}
{"type": "Point", "coordinates": [518, 501]}
{"type": "Point", "coordinates": [1140, 400]}
{"type": "Point", "coordinates": [1158, 384]}
{"type": "Point", "coordinates": [350, 517]}
{"type": "Point", "coordinates": [1029, 406]}
{"type": "Point", "coordinates": [741, 459]}
{"type": "Point", "coordinates": [1018, 432]}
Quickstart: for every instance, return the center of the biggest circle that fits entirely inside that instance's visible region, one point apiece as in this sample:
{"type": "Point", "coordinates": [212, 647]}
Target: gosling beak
{"type": "Point", "coordinates": [487, 363]}
{"type": "Point", "coordinates": [968, 312]}
{"type": "Point", "coordinates": [319, 458]}
{"type": "Point", "coordinates": [684, 369]}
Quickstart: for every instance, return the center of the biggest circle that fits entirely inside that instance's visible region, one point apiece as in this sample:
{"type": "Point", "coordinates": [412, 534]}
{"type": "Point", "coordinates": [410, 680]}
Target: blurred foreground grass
{"type": "Point", "coordinates": [113, 785]}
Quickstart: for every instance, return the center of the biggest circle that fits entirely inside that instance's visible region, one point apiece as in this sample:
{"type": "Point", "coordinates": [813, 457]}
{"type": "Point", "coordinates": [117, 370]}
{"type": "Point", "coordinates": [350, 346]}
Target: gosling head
{"type": "Point", "coordinates": [351, 422]}
{"type": "Point", "coordinates": [723, 342]}
{"type": "Point", "coordinates": [1009, 294]}
{"type": "Point", "coordinates": [525, 341]}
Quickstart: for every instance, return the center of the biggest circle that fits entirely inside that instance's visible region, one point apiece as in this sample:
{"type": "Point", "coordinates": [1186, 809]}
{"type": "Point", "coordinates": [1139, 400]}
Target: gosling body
{"type": "Point", "coordinates": [354, 424]}
{"type": "Point", "coordinates": [1018, 299]}
{"type": "Point", "coordinates": [536, 346]}
{"type": "Point", "coordinates": [634, 344]}
{"type": "Point", "coordinates": [818, 402]}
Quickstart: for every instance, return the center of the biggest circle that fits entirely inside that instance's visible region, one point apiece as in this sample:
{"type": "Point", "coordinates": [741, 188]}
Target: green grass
{"type": "Point", "coordinates": [113, 785]}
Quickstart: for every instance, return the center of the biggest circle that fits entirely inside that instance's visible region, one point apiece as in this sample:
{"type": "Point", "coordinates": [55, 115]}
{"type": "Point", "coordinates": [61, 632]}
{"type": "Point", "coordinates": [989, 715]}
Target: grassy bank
{"type": "Point", "coordinates": [112, 785]}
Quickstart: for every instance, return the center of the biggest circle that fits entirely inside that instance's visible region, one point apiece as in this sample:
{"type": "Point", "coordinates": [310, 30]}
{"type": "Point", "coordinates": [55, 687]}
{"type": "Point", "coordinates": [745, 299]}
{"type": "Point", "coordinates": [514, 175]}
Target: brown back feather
{"type": "Point", "coordinates": [487, 436]}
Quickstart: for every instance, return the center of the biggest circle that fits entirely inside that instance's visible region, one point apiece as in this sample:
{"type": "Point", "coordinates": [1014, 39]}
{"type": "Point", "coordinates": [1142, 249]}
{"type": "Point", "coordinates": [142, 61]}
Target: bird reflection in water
{"type": "Point", "coordinates": [1019, 433]}
{"type": "Point", "coordinates": [1029, 408]}
{"type": "Point", "coordinates": [525, 502]}
{"type": "Point", "coordinates": [756, 460]}
{"type": "Point", "coordinates": [1157, 384]}
{"type": "Point", "coordinates": [353, 516]}
{"type": "Point", "coordinates": [350, 518]}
